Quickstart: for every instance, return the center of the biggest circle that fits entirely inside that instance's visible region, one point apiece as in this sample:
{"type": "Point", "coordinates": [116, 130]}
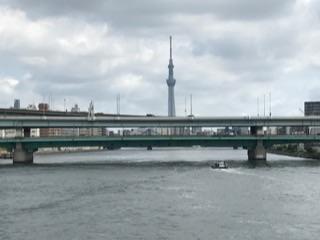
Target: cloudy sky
{"type": "Point", "coordinates": [226, 53]}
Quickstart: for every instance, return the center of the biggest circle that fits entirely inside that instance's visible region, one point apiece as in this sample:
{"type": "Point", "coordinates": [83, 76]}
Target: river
{"type": "Point", "coordinates": [159, 194]}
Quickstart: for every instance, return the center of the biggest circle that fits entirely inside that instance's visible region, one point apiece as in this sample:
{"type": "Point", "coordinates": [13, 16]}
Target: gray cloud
{"type": "Point", "coordinates": [146, 13]}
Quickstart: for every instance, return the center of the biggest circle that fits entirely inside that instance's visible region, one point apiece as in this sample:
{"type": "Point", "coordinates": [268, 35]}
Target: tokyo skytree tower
{"type": "Point", "coordinates": [171, 82]}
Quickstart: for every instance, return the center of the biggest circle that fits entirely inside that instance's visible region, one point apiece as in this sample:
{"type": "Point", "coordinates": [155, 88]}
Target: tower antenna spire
{"type": "Point", "coordinates": [170, 47]}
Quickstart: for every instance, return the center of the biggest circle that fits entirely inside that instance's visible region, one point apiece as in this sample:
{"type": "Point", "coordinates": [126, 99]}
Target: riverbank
{"type": "Point", "coordinates": [49, 151]}
{"type": "Point", "coordinates": [294, 152]}
{"type": "Point", "coordinates": [4, 154]}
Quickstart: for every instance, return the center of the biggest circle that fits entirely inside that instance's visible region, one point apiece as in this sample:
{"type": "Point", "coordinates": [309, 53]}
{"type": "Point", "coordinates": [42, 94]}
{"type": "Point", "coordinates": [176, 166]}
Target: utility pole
{"type": "Point", "coordinates": [185, 106]}
{"type": "Point", "coordinates": [269, 104]}
{"type": "Point", "coordinates": [191, 104]}
{"type": "Point", "coordinates": [258, 106]}
{"type": "Point", "coordinates": [118, 103]}
{"type": "Point", "coordinates": [264, 105]}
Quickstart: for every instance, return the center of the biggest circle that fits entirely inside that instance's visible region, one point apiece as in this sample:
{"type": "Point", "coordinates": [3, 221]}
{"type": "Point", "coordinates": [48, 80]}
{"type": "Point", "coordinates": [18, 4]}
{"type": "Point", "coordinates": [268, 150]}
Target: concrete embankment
{"type": "Point", "coordinates": [67, 150]}
{"type": "Point", "coordinates": [296, 153]}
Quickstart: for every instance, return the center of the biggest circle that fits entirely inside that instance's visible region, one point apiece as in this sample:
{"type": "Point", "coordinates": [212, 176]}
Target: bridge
{"type": "Point", "coordinates": [256, 143]}
{"type": "Point", "coordinates": [33, 144]}
{"type": "Point", "coordinates": [127, 122]}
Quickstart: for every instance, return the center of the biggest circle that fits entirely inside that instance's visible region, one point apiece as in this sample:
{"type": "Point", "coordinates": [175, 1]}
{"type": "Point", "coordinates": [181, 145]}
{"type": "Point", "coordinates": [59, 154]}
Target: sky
{"type": "Point", "coordinates": [228, 54]}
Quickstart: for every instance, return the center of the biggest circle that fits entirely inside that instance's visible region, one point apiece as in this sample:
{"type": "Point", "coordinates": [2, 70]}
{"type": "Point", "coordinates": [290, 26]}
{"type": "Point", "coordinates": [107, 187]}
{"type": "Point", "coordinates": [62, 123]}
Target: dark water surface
{"type": "Point", "coordinates": [159, 194]}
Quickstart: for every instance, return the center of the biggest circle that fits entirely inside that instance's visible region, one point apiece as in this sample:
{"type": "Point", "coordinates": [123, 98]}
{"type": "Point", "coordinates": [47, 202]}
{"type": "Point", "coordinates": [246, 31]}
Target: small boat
{"type": "Point", "coordinates": [220, 165]}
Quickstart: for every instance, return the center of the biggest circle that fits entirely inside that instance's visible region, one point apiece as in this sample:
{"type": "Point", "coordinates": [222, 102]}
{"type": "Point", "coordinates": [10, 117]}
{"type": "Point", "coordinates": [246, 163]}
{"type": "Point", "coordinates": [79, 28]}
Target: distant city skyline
{"type": "Point", "coordinates": [95, 50]}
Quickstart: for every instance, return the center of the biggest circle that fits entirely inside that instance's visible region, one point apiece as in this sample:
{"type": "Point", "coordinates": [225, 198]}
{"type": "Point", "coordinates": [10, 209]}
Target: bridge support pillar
{"type": "Point", "coordinates": [21, 155]}
{"type": "Point", "coordinates": [258, 153]}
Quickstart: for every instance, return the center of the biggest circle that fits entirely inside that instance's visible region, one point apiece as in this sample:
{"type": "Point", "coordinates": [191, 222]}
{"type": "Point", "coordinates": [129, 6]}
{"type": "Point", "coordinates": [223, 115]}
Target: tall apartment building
{"type": "Point", "coordinates": [312, 108]}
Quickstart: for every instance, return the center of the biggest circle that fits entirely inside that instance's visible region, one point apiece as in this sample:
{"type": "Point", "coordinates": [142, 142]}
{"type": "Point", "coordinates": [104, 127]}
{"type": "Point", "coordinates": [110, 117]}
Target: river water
{"type": "Point", "coordinates": [159, 194]}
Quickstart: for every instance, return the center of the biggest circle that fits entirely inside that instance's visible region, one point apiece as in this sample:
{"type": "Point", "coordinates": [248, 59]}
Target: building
{"type": "Point", "coordinates": [16, 104]}
{"type": "Point", "coordinates": [171, 83]}
{"type": "Point", "coordinates": [32, 107]}
{"type": "Point", "coordinates": [43, 107]}
{"type": "Point", "coordinates": [312, 108]}
{"type": "Point", "coordinates": [70, 132]}
{"type": "Point", "coordinates": [240, 131]}
{"type": "Point", "coordinates": [75, 108]}
{"type": "Point", "coordinates": [12, 133]}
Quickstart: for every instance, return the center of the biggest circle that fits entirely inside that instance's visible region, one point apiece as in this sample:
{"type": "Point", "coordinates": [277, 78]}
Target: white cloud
{"type": "Point", "coordinates": [36, 61]}
{"type": "Point", "coordinates": [8, 84]}
{"type": "Point", "coordinates": [127, 83]}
